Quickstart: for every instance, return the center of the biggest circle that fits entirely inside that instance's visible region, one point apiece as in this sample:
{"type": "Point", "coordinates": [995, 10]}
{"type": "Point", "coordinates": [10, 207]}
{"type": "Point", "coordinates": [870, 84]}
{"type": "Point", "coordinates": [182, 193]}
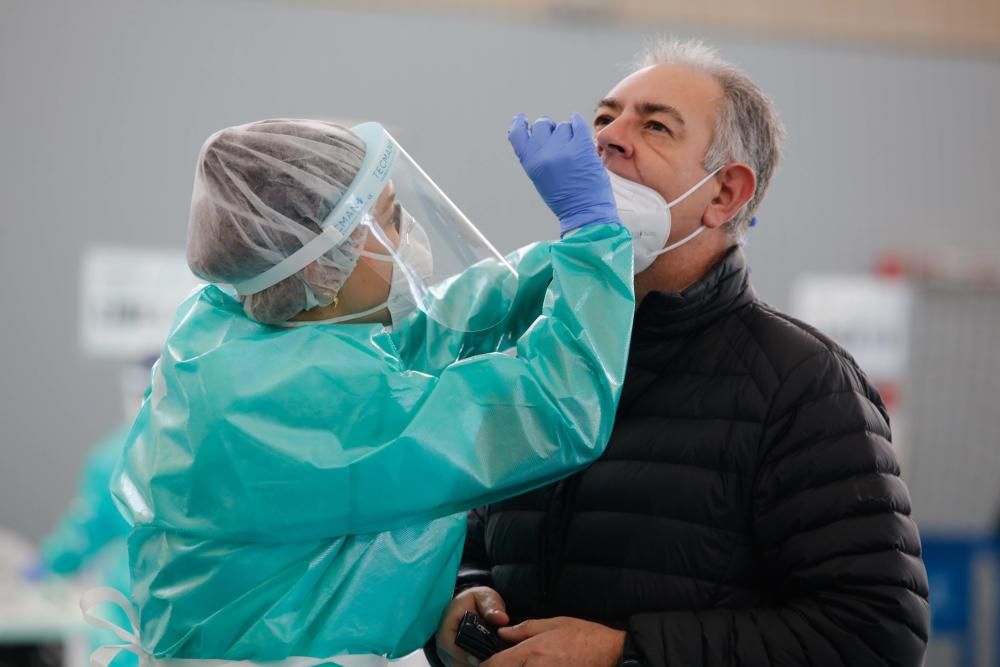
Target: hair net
{"type": "Point", "coordinates": [261, 192]}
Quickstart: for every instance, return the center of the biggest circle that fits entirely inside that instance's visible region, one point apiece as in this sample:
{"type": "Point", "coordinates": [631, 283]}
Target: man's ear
{"type": "Point", "coordinates": [738, 184]}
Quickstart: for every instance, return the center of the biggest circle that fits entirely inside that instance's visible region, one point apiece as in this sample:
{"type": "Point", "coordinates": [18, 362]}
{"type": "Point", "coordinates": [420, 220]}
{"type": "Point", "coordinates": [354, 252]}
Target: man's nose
{"type": "Point", "coordinates": [612, 139]}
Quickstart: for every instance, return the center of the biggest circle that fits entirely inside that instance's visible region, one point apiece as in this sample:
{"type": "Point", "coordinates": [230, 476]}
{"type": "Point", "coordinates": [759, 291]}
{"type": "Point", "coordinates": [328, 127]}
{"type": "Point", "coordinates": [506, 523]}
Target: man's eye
{"type": "Point", "coordinates": [601, 121]}
{"type": "Point", "coordinates": [658, 127]}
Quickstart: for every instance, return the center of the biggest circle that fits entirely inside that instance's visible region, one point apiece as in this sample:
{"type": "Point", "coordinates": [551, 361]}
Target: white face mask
{"type": "Point", "coordinates": [414, 252]}
{"type": "Point", "coordinates": [647, 215]}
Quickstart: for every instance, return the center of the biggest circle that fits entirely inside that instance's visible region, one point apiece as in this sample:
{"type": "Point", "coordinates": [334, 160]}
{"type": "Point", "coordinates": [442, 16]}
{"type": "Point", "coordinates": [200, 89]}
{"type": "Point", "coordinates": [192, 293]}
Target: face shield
{"type": "Point", "coordinates": [432, 257]}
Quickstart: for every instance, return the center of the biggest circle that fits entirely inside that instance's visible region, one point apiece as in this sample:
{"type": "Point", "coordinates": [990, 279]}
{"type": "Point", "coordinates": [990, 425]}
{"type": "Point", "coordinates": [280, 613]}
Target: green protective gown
{"type": "Point", "coordinates": [301, 492]}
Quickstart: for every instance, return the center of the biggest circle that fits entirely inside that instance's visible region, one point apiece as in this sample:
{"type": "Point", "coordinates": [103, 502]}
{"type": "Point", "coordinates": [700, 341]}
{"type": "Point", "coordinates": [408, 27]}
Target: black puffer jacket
{"type": "Point", "coordinates": [748, 510]}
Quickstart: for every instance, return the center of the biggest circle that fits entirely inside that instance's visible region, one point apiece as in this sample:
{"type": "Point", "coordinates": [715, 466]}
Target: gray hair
{"type": "Point", "coordinates": [747, 130]}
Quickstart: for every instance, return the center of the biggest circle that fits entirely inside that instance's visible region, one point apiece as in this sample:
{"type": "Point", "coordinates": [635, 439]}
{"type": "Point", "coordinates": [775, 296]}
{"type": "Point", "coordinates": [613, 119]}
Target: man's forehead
{"type": "Point", "coordinates": [678, 86]}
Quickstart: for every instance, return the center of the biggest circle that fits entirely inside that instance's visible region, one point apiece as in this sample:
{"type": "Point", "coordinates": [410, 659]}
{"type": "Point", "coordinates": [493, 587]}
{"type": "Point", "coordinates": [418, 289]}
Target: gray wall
{"type": "Point", "coordinates": [103, 106]}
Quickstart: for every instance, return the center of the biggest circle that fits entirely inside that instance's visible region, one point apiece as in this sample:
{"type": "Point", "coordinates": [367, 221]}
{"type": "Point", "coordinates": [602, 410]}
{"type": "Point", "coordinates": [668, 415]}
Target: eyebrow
{"type": "Point", "coordinates": [610, 103]}
{"type": "Point", "coordinates": [645, 108]}
{"type": "Point", "coordinates": [649, 108]}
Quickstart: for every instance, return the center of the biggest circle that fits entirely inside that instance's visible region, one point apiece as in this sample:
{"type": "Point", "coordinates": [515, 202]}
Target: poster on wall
{"type": "Point", "coordinates": [868, 315]}
{"type": "Point", "coordinates": [128, 297]}
{"type": "Point", "coordinates": [871, 317]}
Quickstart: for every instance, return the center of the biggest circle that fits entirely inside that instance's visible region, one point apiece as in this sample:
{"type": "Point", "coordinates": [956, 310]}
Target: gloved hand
{"type": "Point", "coordinates": [567, 172]}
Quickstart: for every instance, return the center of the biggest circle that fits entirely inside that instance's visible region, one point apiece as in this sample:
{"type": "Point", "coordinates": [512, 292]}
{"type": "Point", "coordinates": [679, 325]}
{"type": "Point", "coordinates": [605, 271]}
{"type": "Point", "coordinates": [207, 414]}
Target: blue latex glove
{"type": "Point", "coordinates": [567, 172]}
{"type": "Point", "coordinates": [35, 572]}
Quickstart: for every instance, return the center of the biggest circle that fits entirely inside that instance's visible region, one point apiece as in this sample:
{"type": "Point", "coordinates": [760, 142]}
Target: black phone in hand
{"type": "Point", "coordinates": [478, 638]}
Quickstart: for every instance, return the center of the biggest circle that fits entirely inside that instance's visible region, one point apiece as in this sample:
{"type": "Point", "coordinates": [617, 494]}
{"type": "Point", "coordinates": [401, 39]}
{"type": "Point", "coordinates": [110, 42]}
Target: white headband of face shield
{"type": "Point", "coordinates": [646, 214]}
{"type": "Point", "coordinates": [354, 204]}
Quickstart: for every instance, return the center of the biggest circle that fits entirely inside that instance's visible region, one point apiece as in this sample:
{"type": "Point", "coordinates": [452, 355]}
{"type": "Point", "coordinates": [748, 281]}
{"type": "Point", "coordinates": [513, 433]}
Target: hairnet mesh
{"type": "Point", "coordinates": [261, 192]}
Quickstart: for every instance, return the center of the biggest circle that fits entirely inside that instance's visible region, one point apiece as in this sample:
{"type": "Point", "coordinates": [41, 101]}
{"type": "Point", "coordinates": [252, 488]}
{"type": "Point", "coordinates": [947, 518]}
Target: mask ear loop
{"type": "Point", "coordinates": [694, 188]}
{"type": "Point", "coordinates": [684, 196]}
{"type": "Point", "coordinates": [334, 320]}
{"type": "Point", "coordinates": [684, 240]}
{"type": "Point", "coordinates": [341, 319]}
{"type": "Point", "coordinates": [384, 241]}
{"type": "Point", "coordinates": [377, 256]}
{"type": "Point", "coordinates": [416, 284]}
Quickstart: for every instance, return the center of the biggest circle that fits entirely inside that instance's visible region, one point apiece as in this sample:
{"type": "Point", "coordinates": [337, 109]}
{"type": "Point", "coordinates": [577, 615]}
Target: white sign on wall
{"type": "Point", "coordinates": [128, 297]}
{"type": "Point", "coordinates": [869, 315]}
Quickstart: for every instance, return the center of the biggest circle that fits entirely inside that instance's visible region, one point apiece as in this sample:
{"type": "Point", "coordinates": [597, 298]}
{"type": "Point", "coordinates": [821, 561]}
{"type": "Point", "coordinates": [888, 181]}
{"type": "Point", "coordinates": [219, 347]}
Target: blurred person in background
{"type": "Point", "coordinates": [88, 539]}
{"type": "Point", "coordinates": [748, 509]}
{"type": "Point", "coordinates": [91, 524]}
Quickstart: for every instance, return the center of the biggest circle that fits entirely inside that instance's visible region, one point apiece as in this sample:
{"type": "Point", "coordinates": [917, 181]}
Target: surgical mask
{"type": "Point", "coordinates": [412, 254]}
{"type": "Point", "coordinates": [647, 215]}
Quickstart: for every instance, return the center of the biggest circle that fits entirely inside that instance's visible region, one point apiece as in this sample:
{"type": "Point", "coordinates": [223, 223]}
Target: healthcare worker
{"type": "Point", "coordinates": [298, 474]}
{"type": "Point", "coordinates": [89, 537]}
{"type": "Point", "coordinates": [91, 524]}
{"type": "Point", "coordinates": [91, 531]}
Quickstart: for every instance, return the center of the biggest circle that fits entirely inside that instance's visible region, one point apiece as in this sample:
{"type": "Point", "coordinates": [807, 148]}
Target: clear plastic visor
{"type": "Point", "coordinates": [450, 270]}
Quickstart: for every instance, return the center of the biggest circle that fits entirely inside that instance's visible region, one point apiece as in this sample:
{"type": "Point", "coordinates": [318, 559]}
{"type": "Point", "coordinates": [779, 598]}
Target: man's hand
{"type": "Point", "coordinates": [481, 600]}
{"type": "Point", "coordinates": [560, 642]}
